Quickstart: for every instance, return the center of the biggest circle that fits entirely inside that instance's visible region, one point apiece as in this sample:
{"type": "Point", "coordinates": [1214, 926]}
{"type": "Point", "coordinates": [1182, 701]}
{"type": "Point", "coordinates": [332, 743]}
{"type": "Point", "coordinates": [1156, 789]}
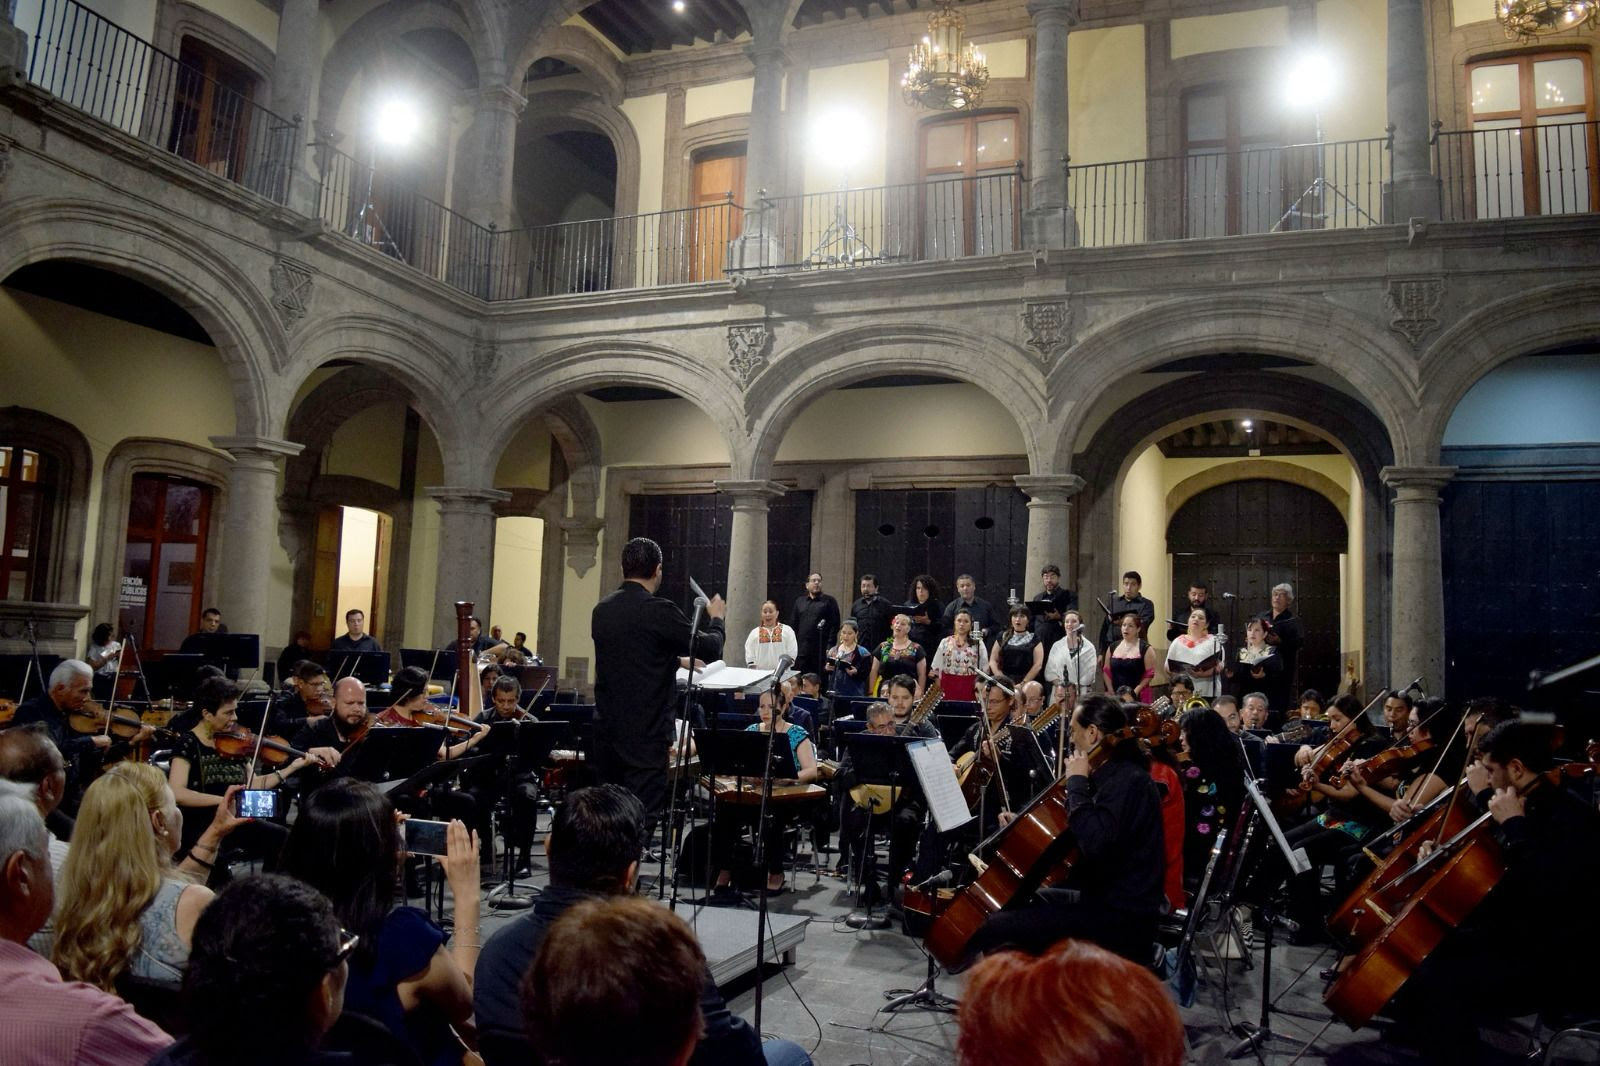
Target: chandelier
{"type": "Point", "coordinates": [1530, 18]}
{"type": "Point", "coordinates": [944, 72]}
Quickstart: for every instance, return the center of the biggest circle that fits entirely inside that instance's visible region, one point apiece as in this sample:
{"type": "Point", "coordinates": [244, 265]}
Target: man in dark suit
{"type": "Point", "coordinates": [816, 622]}
{"type": "Point", "coordinates": [638, 639]}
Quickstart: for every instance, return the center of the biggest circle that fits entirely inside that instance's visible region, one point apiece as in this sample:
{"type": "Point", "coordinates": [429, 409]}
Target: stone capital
{"type": "Point", "coordinates": [257, 450]}
{"type": "Point", "coordinates": [498, 98]}
{"type": "Point", "coordinates": [1049, 490]}
{"type": "Point", "coordinates": [1417, 483]}
{"type": "Point", "coordinates": [465, 499]}
{"type": "Point", "coordinates": [1050, 10]}
{"type": "Point", "coordinates": [750, 495]}
{"type": "Point", "coordinates": [768, 55]}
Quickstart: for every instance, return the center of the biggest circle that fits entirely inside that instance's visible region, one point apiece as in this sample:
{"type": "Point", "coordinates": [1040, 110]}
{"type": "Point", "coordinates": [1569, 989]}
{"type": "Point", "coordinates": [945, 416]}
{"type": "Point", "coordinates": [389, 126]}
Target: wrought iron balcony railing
{"type": "Point", "coordinates": [1506, 170]}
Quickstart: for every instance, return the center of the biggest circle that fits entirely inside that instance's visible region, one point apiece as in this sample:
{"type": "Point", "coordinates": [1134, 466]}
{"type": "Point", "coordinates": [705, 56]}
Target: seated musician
{"type": "Point", "coordinates": [505, 707]}
{"type": "Point", "coordinates": [1254, 712]}
{"type": "Point", "coordinates": [729, 822]}
{"type": "Point", "coordinates": [1431, 724]}
{"type": "Point", "coordinates": [339, 729]}
{"type": "Point", "coordinates": [1113, 895]}
{"type": "Point", "coordinates": [200, 775]}
{"type": "Point", "coordinates": [66, 695]}
{"type": "Point", "coordinates": [906, 816]}
{"type": "Point", "coordinates": [1397, 713]}
{"type": "Point", "coordinates": [469, 805]}
{"type": "Point", "coordinates": [1521, 950]}
{"type": "Point", "coordinates": [1030, 702]}
{"type": "Point", "coordinates": [1008, 788]}
{"type": "Point", "coordinates": [1180, 690]}
{"type": "Point", "coordinates": [901, 694]}
{"type": "Point", "coordinates": [307, 693]}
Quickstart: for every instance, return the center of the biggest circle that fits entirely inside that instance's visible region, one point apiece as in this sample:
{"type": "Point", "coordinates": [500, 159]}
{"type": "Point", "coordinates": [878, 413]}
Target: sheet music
{"type": "Point", "coordinates": [720, 677]}
{"type": "Point", "coordinates": [937, 775]}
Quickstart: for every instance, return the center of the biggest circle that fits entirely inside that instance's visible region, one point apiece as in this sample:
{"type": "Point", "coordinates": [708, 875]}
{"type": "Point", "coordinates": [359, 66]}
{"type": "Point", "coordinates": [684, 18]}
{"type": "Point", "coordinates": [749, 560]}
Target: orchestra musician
{"type": "Point", "coordinates": [471, 805]}
{"type": "Point", "coordinates": [855, 820]}
{"type": "Point", "coordinates": [340, 728]}
{"type": "Point", "coordinates": [1397, 713]}
{"type": "Point", "coordinates": [1113, 895]}
{"type": "Point", "coordinates": [1213, 786]}
{"type": "Point", "coordinates": [848, 664]}
{"type": "Point", "coordinates": [728, 823]}
{"type": "Point", "coordinates": [899, 655]}
{"type": "Point", "coordinates": [1432, 723]}
{"type": "Point", "coordinates": [910, 810]}
{"type": "Point", "coordinates": [1523, 950]}
{"type": "Point", "coordinates": [66, 694]}
{"type": "Point", "coordinates": [505, 706]}
{"type": "Point", "coordinates": [306, 694]}
{"type": "Point", "coordinates": [997, 755]}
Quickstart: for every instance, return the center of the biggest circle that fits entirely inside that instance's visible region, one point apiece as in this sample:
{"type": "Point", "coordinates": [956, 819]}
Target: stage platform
{"type": "Point", "coordinates": [728, 937]}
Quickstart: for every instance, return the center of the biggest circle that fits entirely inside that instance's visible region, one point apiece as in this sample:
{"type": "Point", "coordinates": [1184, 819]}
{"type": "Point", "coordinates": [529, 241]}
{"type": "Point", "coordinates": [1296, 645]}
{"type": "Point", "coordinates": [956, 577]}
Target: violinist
{"type": "Point", "coordinates": [307, 693]}
{"type": "Point", "coordinates": [66, 697]}
{"type": "Point", "coordinates": [411, 696]}
{"type": "Point", "coordinates": [1441, 749]}
{"type": "Point", "coordinates": [505, 707]}
{"type": "Point", "coordinates": [1524, 949]}
{"type": "Point", "coordinates": [1113, 895]}
{"type": "Point", "coordinates": [338, 730]}
{"type": "Point", "coordinates": [470, 805]}
{"type": "Point", "coordinates": [200, 775]}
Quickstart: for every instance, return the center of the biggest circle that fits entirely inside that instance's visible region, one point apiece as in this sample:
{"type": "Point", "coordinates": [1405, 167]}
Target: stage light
{"type": "Point", "coordinates": [1310, 81]}
{"type": "Point", "coordinates": [395, 122]}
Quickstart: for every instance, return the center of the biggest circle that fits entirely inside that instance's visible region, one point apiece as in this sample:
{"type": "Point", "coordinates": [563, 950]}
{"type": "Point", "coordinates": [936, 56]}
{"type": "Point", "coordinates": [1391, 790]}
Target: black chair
{"type": "Point", "coordinates": [369, 1041]}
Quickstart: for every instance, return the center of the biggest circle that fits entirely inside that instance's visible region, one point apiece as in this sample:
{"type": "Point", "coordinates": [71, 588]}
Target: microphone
{"type": "Point", "coordinates": [820, 623]}
{"type": "Point", "coordinates": [1229, 596]}
{"type": "Point", "coordinates": [938, 880]}
{"type": "Point", "coordinates": [700, 604]}
{"type": "Point", "coordinates": [1415, 686]}
{"type": "Point", "coordinates": [996, 684]}
{"type": "Point", "coordinates": [783, 664]}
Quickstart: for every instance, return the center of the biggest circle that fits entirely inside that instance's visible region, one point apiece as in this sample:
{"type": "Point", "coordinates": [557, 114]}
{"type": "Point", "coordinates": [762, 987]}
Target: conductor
{"type": "Point", "coordinates": [638, 639]}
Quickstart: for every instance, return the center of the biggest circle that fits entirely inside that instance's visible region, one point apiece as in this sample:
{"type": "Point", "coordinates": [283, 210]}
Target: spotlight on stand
{"type": "Point", "coordinates": [840, 139]}
{"type": "Point", "coordinates": [395, 123]}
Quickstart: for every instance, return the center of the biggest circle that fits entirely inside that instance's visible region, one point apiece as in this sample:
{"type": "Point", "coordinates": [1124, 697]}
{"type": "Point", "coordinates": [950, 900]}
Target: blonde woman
{"type": "Point", "coordinates": [122, 908]}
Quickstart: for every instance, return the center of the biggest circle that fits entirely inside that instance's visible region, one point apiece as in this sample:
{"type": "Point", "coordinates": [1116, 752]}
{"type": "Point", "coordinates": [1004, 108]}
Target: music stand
{"type": "Point", "coordinates": [843, 729]}
{"type": "Point", "coordinates": [876, 760]}
{"type": "Point", "coordinates": [735, 722]}
{"type": "Point", "coordinates": [368, 667]}
{"type": "Point", "coordinates": [742, 755]}
{"type": "Point", "coordinates": [19, 669]}
{"type": "Point", "coordinates": [177, 673]}
{"type": "Point", "coordinates": [231, 651]}
{"type": "Point", "coordinates": [530, 746]}
{"type": "Point", "coordinates": [392, 754]}
{"type": "Point", "coordinates": [439, 666]}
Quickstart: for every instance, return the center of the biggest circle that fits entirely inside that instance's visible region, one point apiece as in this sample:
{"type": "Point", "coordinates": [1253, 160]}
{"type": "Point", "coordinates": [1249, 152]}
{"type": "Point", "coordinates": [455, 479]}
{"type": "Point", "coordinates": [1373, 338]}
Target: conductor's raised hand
{"type": "Point", "coordinates": [716, 608]}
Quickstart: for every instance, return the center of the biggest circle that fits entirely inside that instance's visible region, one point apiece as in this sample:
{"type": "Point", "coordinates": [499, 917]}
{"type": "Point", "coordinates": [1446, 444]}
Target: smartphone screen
{"type": "Point", "coordinates": [258, 803]}
{"type": "Point", "coordinates": [424, 837]}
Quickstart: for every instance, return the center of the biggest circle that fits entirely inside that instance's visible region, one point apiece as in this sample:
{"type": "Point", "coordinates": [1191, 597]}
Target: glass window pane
{"type": "Point", "coordinates": [30, 466]}
{"type": "Point", "coordinates": [944, 219]}
{"type": "Point", "coordinates": [1494, 89]}
{"type": "Point", "coordinates": [183, 510]}
{"type": "Point", "coordinates": [947, 145]}
{"type": "Point", "coordinates": [1259, 114]}
{"type": "Point", "coordinates": [1563, 165]}
{"type": "Point", "coordinates": [1558, 83]}
{"type": "Point", "coordinates": [994, 214]}
{"type": "Point", "coordinates": [1497, 167]}
{"type": "Point", "coordinates": [1205, 117]}
{"type": "Point", "coordinates": [146, 499]}
{"type": "Point", "coordinates": [997, 140]}
{"type": "Point", "coordinates": [1205, 187]}
{"type": "Point", "coordinates": [5, 463]}
{"type": "Point", "coordinates": [174, 595]}
{"type": "Point", "coordinates": [24, 525]}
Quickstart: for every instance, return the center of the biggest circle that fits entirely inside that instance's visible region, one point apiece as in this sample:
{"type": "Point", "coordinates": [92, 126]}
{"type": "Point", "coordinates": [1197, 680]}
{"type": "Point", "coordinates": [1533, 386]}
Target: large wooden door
{"type": "Point", "coordinates": [901, 533]}
{"type": "Point", "coordinates": [718, 184]}
{"type": "Point", "coordinates": [1245, 537]}
{"type": "Point", "coordinates": [693, 529]}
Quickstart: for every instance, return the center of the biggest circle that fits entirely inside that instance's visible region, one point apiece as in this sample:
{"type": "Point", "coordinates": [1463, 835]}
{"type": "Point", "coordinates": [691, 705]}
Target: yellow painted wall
{"type": "Point", "coordinates": [860, 89]}
{"type": "Point", "coordinates": [526, 462]}
{"type": "Point", "coordinates": [358, 554]}
{"type": "Point", "coordinates": [877, 432]}
{"type": "Point", "coordinates": [1105, 92]}
{"type": "Point", "coordinates": [1262, 28]}
{"type": "Point", "coordinates": [1142, 533]}
{"type": "Point", "coordinates": [254, 17]}
{"type": "Point", "coordinates": [649, 117]}
{"type": "Point", "coordinates": [701, 102]}
{"type": "Point", "coordinates": [369, 445]}
{"type": "Point", "coordinates": [655, 433]}
{"type": "Point", "coordinates": [1354, 35]}
{"type": "Point", "coordinates": [1006, 59]}
{"type": "Point", "coordinates": [1336, 468]}
{"type": "Point", "coordinates": [518, 550]}
{"type": "Point", "coordinates": [112, 380]}
{"type": "Point", "coordinates": [1465, 11]}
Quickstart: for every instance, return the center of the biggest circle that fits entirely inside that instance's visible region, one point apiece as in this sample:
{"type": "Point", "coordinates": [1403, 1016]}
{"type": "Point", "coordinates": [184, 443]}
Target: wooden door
{"type": "Point", "coordinates": [714, 223]}
{"type": "Point", "coordinates": [325, 577]}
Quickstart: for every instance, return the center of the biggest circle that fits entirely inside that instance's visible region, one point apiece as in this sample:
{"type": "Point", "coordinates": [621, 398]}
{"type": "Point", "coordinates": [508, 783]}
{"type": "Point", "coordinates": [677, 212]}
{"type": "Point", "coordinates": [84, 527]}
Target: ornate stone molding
{"type": "Point", "coordinates": [1417, 483]}
{"type": "Point", "coordinates": [485, 357]}
{"type": "Point", "coordinates": [750, 495]}
{"type": "Point", "coordinates": [581, 538]}
{"type": "Point", "coordinates": [748, 346]}
{"type": "Point", "coordinates": [291, 291]}
{"type": "Point", "coordinates": [1414, 306]}
{"type": "Point", "coordinates": [1049, 490]}
{"type": "Point", "coordinates": [466, 500]}
{"type": "Point", "coordinates": [1048, 326]}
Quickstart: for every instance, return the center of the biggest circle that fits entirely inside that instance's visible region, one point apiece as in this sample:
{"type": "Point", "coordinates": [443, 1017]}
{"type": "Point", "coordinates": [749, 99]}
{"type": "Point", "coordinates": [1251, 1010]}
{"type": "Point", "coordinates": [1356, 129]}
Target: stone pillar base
{"type": "Point", "coordinates": [1049, 226]}
{"type": "Point", "coordinates": [753, 252]}
{"type": "Point", "coordinates": [1410, 198]}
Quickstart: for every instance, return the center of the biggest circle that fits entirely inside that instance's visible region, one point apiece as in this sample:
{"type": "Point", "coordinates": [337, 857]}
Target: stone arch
{"type": "Point", "coordinates": [577, 46]}
{"type": "Point", "coordinates": [211, 287]}
{"type": "Point", "coordinates": [594, 364]}
{"type": "Point", "coordinates": [1222, 474]}
{"type": "Point", "coordinates": [1352, 426]}
{"type": "Point", "coordinates": [776, 400]}
{"type": "Point", "coordinates": [1493, 335]}
{"type": "Point", "coordinates": [568, 110]}
{"type": "Point", "coordinates": [415, 360]}
{"type": "Point", "coordinates": [1297, 327]}
{"type": "Point", "coordinates": [355, 47]}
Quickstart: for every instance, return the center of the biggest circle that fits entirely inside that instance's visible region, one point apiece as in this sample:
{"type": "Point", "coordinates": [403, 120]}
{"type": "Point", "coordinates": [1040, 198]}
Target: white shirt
{"type": "Point", "coordinates": [764, 647]}
{"type": "Point", "coordinates": [1068, 667]}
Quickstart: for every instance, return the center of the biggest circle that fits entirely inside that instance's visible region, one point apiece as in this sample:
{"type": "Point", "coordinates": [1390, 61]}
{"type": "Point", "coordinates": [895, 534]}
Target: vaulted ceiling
{"type": "Point", "coordinates": [639, 26]}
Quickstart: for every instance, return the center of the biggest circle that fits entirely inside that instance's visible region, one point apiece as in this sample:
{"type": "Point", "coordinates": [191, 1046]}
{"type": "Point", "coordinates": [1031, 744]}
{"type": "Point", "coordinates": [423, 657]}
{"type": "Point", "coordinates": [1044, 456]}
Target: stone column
{"type": "Point", "coordinates": [747, 553]}
{"type": "Point", "coordinates": [1417, 588]}
{"type": "Point", "coordinates": [1049, 523]}
{"type": "Point", "coordinates": [13, 49]}
{"type": "Point", "coordinates": [763, 159]}
{"type": "Point", "coordinates": [489, 150]}
{"type": "Point", "coordinates": [466, 554]}
{"type": "Point", "coordinates": [1414, 193]}
{"type": "Point", "coordinates": [248, 529]}
{"type": "Point", "coordinates": [293, 69]}
{"type": "Point", "coordinates": [1048, 223]}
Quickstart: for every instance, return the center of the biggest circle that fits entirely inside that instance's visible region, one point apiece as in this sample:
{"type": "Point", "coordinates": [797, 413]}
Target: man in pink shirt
{"type": "Point", "coordinates": [45, 1021]}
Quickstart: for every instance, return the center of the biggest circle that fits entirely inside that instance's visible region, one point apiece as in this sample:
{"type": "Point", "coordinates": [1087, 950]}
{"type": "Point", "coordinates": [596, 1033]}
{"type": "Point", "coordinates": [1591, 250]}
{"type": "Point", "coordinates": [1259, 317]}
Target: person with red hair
{"type": "Point", "coordinates": [1121, 1013]}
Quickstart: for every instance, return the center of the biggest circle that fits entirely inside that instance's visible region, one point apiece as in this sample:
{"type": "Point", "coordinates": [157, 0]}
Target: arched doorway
{"type": "Point", "coordinates": [1246, 536]}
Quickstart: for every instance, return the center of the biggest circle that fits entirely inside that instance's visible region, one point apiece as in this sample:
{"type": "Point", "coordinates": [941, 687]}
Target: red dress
{"type": "Point", "coordinates": [1173, 827]}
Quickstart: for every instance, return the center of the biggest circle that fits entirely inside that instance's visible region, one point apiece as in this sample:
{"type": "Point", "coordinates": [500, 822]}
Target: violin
{"type": "Point", "coordinates": [8, 711]}
{"type": "Point", "coordinates": [239, 743]}
{"type": "Point", "coordinates": [1388, 761]}
{"type": "Point", "coordinates": [431, 714]}
{"type": "Point", "coordinates": [93, 718]}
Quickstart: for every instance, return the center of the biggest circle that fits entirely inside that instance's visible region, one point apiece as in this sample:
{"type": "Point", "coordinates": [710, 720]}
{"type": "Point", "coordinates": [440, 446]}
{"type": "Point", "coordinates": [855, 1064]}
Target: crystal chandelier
{"type": "Point", "coordinates": [1530, 18]}
{"type": "Point", "coordinates": [945, 73]}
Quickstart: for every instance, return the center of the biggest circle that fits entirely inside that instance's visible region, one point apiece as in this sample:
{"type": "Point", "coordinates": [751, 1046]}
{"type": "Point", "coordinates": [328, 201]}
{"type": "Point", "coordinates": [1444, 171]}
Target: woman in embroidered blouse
{"type": "Point", "coordinates": [956, 662]}
{"type": "Point", "coordinates": [1020, 653]}
{"type": "Point", "coordinates": [1198, 654]}
{"type": "Point", "coordinates": [898, 655]}
{"type": "Point", "coordinates": [728, 821]}
{"type": "Point", "coordinates": [122, 907]}
{"type": "Point", "coordinates": [769, 641]}
{"type": "Point", "coordinates": [848, 663]}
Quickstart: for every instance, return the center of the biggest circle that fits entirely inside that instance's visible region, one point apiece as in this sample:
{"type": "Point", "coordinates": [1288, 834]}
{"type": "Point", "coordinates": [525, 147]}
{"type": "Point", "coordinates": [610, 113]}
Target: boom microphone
{"type": "Point", "coordinates": [783, 664]}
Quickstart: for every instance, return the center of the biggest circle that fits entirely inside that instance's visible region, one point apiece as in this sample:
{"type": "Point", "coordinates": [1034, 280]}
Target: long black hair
{"type": "Point", "coordinates": [346, 843]}
{"type": "Point", "coordinates": [1108, 715]}
{"type": "Point", "coordinates": [1213, 747]}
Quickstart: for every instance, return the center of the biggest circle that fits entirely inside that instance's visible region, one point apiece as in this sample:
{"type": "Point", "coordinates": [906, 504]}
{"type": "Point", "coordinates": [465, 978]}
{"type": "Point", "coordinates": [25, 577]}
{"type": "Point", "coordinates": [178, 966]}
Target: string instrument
{"type": "Point", "coordinates": [924, 707]}
{"type": "Point", "coordinates": [432, 714]}
{"type": "Point", "coordinates": [874, 798]}
{"type": "Point", "coordinates": [1329, 757]}
{"type": "Point", "coordinates": [729, 790]}
{"type": "Point", "coordinates": [93, 718]}
{"type": "Point", "coordinates": [1302, 730]}
{"type": "Point", "coordinates": [469, 684]}
{"type": "Point", "coordinates": [240, 742]}
{"type": "Point", "coordinates": [8, 711]}
{"type": "Point", "coordinates": [1390, 760]}
{"type": "Point", "coordinates": [1033, 850]}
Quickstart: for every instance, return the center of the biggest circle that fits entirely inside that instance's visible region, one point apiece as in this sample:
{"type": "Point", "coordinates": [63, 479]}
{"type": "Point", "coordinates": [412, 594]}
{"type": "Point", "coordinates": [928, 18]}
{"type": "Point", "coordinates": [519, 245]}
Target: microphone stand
{"type": "Point", "coordinates": [680, 751]}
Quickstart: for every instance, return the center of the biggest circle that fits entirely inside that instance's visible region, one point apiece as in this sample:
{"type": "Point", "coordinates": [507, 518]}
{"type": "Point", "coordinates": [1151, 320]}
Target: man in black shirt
{"type": "Point", "coordinates": [306, 694]}
{"type": "Point", "coordinates": [638, 640]}
{"type": "Point", "coordinates": [336, 730]}
{"type": "Point", "coordinates": [594, 847]}
{"type": "Point", "coordinates": [1197, 602]}
{"type": "Point", "coordinates": [357, 639]}
{"type": "Point", "coordinates": [1285, 633]}
{"type": "Point", "coordinates": [984, 621]}
{"type": "Point", "coordinates": [816, 622]}
{"type": "Point", "coordinates": [1113, 895]}
{"type": "Point", "coordinates": [872, 614]}
{"type": "Point", "coordinates": [1130, 602]}
{"type": "Point", "coordinates": [1047, 619]}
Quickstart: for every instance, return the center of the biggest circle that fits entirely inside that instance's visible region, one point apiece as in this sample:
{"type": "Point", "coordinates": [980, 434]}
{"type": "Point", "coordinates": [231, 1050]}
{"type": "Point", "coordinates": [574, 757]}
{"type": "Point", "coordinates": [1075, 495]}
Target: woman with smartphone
{"type": "Point", "coordinates": [406, 972]}
{"type": "Point", "coordinates": [200, 776]}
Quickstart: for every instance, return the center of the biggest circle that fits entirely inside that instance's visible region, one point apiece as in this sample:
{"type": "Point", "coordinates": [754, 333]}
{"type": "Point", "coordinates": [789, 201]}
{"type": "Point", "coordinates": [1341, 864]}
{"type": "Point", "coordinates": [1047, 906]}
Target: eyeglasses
{"type": "Point", "coordinates": [347, 944]}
